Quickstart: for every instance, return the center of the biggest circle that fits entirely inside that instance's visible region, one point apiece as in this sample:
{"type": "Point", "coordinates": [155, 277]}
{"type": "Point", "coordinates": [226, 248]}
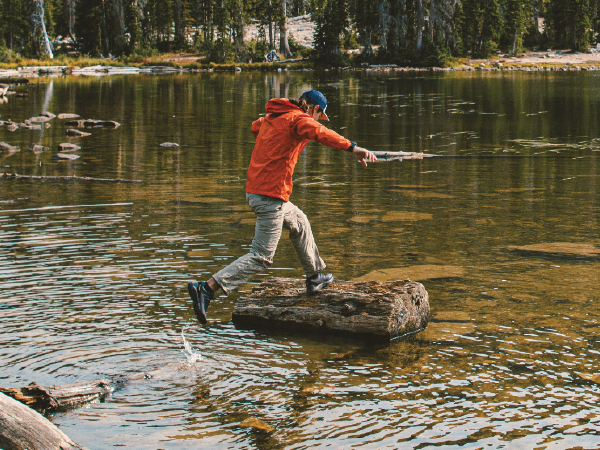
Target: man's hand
{"type": "Point", "coordinates": [363, 155]}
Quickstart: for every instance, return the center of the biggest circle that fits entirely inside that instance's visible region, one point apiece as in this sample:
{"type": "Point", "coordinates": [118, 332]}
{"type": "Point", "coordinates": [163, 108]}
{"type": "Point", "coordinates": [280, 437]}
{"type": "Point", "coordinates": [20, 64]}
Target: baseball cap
{"type": "Point", "coordinates": [316, 98]}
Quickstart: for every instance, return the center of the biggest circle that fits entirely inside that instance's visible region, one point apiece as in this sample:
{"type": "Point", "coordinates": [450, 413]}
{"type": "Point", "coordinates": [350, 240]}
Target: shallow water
{"type": "Point", "coordinates": [93, 273]}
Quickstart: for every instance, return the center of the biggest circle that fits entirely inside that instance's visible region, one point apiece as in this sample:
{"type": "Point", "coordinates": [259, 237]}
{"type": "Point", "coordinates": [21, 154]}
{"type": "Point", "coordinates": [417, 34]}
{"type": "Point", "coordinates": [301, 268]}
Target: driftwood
{"type": "Point", "coordinates": [43, 398]}
{"type": "Point", "coordinates": [23, 428]}
{"type": "Point", "coordinates": [367, 310]}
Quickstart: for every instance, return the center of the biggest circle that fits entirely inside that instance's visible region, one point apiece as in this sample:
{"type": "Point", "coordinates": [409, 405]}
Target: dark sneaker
{"type": "Point", "coordinates": [317, 282]}
{"type": "Point", "coordinates": [200, 298]}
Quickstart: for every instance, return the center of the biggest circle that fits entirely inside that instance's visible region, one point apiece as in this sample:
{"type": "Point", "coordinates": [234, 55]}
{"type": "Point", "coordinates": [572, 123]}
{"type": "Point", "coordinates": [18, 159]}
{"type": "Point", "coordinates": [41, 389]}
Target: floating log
{"type": "Point", "coordinates": [374, 311]}
{"type": "Point", "coordinates": [23, 428]}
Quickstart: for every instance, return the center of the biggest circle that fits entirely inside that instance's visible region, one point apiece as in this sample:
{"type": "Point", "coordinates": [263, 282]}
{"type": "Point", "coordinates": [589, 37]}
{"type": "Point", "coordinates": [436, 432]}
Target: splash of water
{"type": "Point", "coordinates": [190, 353]}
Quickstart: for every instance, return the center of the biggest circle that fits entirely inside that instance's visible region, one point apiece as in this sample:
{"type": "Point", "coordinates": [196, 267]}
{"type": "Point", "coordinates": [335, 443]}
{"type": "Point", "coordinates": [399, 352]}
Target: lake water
{"type": "Point", "coordinates": [93, 274]}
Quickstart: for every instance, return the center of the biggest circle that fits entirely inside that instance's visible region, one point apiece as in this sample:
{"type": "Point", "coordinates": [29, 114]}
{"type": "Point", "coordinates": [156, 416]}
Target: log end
{"type": "Point", "coordinates": [371, 311]}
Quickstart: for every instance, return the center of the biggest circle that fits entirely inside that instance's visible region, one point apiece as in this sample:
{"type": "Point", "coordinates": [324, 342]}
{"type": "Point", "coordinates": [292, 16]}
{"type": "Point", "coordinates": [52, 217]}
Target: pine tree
{"type": "Point", "coordinates": [331, 17]}
{"type": "Point", "coordinates": [88, 26]}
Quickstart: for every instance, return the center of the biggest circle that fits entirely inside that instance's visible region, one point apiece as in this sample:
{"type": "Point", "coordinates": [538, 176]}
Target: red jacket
{"type": "Point", "coordinates": [280, 138]}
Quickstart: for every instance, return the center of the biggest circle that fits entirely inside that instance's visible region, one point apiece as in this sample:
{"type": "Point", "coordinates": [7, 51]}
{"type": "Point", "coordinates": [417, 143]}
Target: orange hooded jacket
{"type": "Point", "coordinates": [280, 138]}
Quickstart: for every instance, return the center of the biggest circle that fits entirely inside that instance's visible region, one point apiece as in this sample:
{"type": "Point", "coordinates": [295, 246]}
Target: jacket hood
{"type": "Point", "coordinates": [280, 106]}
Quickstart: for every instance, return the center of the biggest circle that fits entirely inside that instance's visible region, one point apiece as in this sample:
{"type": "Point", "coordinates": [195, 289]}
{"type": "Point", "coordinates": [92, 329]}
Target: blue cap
{"type": "Point", "coordinates": [316, 98]}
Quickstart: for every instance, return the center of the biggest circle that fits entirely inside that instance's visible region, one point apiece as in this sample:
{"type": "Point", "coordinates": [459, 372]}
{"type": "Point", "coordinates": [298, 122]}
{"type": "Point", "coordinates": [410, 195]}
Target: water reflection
{"type": "Point", "coordinates": [93, 273]}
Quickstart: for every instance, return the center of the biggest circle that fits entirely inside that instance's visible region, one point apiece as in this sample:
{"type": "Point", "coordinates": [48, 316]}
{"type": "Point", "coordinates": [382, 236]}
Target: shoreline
{"type": "Point", "coordinates": [181, 63]}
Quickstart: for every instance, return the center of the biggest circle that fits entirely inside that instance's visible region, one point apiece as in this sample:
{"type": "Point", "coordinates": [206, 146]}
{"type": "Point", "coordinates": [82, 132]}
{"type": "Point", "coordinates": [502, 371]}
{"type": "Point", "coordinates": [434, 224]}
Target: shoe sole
{"type": "Point", "coordinates": [318, 287]}
{"type": "Point", "coordinates": [195, 295]}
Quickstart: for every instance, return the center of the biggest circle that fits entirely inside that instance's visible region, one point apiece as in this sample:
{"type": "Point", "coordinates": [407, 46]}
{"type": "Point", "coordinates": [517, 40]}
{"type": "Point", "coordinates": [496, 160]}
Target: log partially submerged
{"type": "Point", "coordinates": [379, 312]}
{"type": "Point", "coordinates": [43, 398]}
{"type": "Point", "coordinates": [23, 428]}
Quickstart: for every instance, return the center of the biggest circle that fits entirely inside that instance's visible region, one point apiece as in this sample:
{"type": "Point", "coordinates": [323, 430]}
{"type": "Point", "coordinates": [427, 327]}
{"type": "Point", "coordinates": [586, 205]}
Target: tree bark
{"type": "Point", "coordinates": [179, 28]}
{"type": "Point", "coordinates": [419, 21]}
{"type": "Point", "coordinates": [284, 46]}
{"type": "Point", "coordinates": [118, 28]}
{"type": "Point", "coordinates": [373, 311]}
{"type": "Point", "coordinates": [23, 428]}
{"type": "Point", "coordinates": [535, 20]}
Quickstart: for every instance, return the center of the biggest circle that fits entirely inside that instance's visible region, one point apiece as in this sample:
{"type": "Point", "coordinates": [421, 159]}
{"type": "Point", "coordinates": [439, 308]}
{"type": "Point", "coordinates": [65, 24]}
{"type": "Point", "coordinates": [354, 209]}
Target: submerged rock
{"type": "Point", "coordinates": [415, 273]}
{"type": "Point", "coordinates": [67, 116]}
{"type": "Point", "coordinates": [562, 249]}
{"type": "Point", "coordinates": [74, 132]}
{"type": "Point", "coordinates": [8, 148]}
{"type": "Point", "coordinates": [65, 156]}
{"type": "Point", "coordinates": [93, 123]}
{"type": "Point", "coordinates": [169, 144]}
{"type": "Point", "coordinates": [39, 119]}
{"type": "Point", "coordinates": [38, 148]}
{"type": "Point", "coordinates": [67, 147]}
{"type": "Point", "coordinates": [257, 424]}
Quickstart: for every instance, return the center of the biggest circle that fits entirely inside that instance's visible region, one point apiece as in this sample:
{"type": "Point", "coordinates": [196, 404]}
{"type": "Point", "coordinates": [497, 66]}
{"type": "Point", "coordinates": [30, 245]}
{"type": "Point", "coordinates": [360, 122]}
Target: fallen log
{"type": "Point", "coordinates": [23, 428]}
{"type": "Point", "coordinates": [44, 398]}
{"type": "Point", "coordinates": [379, 312]}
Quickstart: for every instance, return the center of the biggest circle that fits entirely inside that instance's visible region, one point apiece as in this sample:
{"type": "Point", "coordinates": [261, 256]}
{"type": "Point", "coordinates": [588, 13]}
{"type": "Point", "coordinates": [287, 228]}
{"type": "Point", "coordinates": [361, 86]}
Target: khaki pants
{"type": "Point", "coordinates": [272, 215]}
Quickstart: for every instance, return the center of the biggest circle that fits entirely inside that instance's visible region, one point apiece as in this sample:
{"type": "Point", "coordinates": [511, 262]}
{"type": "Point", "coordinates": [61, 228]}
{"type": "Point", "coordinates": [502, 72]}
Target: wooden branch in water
{"type": "Point", "coordinates": [71, 178]}
{"type": "Point", "coordinates": [368, 310]}
{"type": "Point", "coordinates": [23, 428]}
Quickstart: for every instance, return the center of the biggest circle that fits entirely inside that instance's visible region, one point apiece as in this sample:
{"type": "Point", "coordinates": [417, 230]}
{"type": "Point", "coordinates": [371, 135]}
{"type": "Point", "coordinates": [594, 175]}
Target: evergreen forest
{"type": "Point", "coordinates": [417, 32]}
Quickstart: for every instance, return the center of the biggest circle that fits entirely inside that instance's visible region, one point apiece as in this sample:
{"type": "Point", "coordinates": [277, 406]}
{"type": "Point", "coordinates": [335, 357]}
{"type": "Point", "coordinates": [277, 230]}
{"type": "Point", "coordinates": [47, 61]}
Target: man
{"type": "Point", "coordinates": [281, 136]}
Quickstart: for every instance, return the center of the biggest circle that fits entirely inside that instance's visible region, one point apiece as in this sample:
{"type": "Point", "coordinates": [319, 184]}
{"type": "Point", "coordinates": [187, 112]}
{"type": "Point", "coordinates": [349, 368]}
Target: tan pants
{"type": "Point", "coordinates": [272, 215]}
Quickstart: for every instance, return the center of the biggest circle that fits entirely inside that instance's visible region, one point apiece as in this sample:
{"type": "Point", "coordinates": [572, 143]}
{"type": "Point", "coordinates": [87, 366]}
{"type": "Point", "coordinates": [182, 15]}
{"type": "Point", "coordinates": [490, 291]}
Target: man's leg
{"type": "Point", "coordinates": [306, 248]}
{"type": "Point", "coordinates": [269, 222]}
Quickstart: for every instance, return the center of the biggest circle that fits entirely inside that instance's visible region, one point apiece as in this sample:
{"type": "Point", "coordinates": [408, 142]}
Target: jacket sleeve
{"type": "Point", "coordinates": [256, 126]}
{"type": "Point", "coordinates": [308, 128]}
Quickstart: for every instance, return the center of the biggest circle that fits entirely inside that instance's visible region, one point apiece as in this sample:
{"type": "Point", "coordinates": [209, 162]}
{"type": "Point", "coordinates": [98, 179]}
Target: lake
{"type": "Point", "coordinates": [501, 227]}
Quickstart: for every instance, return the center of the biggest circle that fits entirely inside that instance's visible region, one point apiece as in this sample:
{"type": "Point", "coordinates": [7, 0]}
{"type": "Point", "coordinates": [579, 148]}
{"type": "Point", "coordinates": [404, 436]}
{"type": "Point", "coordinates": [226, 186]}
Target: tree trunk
{"type": "Point", "coordinates": [284, 46]}
{"type": "Point", "coordinates": [372, 311]}
{"type": "Point", "coordinates": [43, 27]}
{"type": "Point", "coordinates": [514, 48]}
{"type": "Point", "coordinates": [105, 30]}
{"type": "Point", "coordinates": [23, 428]}
{"type": "Point", "coordinates": [179, 28]}
{"type": "Point", "coordinates": [118, 28]}
{"type": "Point", "coordinates": [419, 21]}
{"type": "Point", "coordinates": [432, 20]}
{"type": "Point", "coordinates": [535, 20]}
{"type": "Point", "coordinates": [240, 32]}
